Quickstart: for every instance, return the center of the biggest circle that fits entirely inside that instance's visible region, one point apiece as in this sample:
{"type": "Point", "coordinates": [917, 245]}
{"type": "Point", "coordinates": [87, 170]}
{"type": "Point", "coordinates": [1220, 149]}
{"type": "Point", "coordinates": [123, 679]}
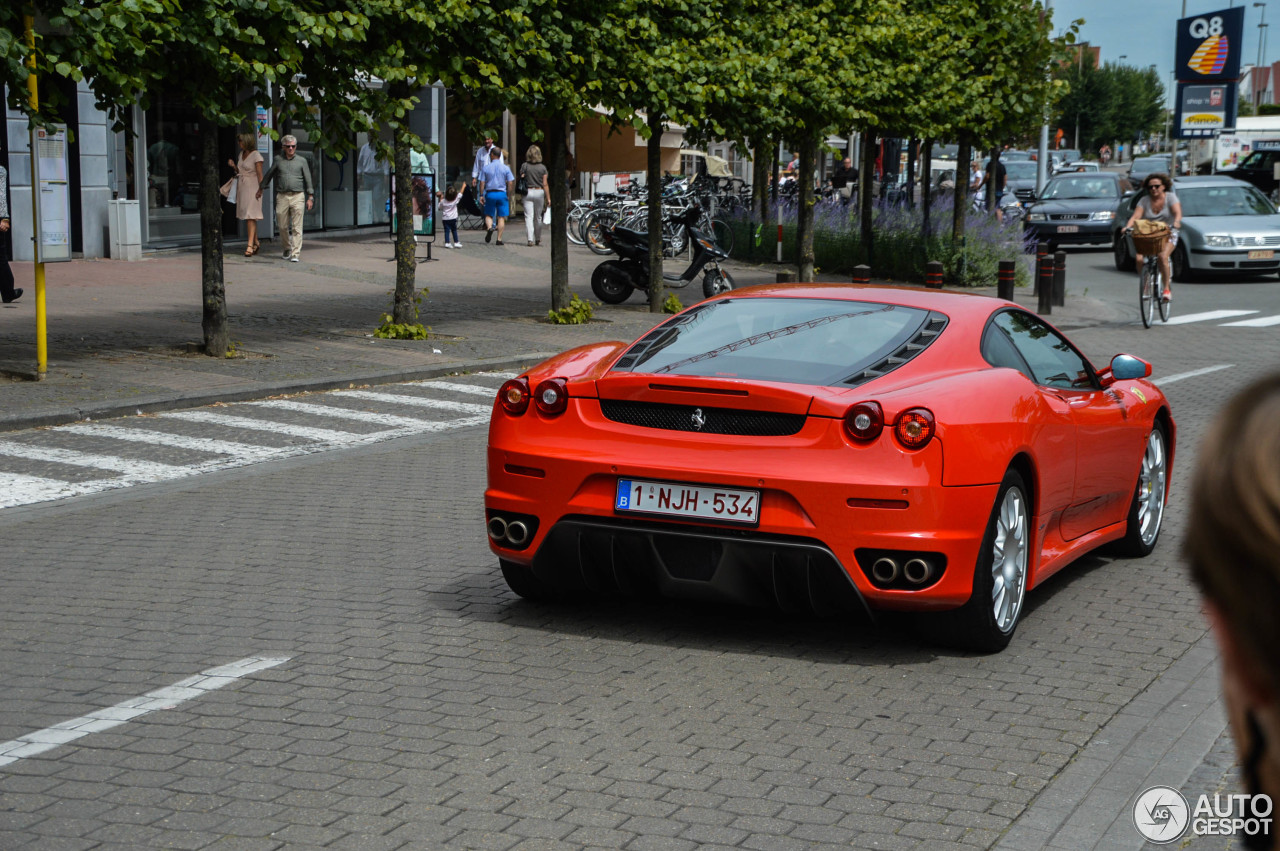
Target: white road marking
{"type": "Point", "coordinates": [419, 401]}
{"type": "Point", "coordinates": [310, 433]}
{"type": "Point", "coordinates": [464, 388]}
{"type": "Point", "coordinates": [1169, 379]}
{"type": "Point", "coordinates": [1209, 316]}
{"type": "Point", "coordinates": [164, 438]}
{"type": "Point", "coordinates": [1260, 322]}
{"type": "Point", "coordinates": [23, 489]}
{"type": "Point", "coordinates": [392, 420]}
{"type": "Point", "coordinates": [130, 466]}
{"type": "Point", "coordinates": [62, 733]}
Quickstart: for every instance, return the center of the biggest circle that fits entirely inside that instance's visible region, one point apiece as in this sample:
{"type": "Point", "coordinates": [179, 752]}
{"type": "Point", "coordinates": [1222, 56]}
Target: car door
{"type": "Point", "coordinates": [1104, 473]}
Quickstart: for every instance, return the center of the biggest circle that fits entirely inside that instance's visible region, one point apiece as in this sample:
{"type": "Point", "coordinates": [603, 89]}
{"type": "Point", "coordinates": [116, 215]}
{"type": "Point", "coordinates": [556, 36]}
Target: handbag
{"type": "Point", "coordinates": [522, 185]}
{"type": "Point", "coordinates": [546, 216]}
{"type": "Point", "coordinates": [228, 190]}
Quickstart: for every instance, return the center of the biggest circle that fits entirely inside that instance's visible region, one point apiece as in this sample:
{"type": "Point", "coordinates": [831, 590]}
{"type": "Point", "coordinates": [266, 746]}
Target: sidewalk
{"type": "Point", "coordinates": [120, 334]}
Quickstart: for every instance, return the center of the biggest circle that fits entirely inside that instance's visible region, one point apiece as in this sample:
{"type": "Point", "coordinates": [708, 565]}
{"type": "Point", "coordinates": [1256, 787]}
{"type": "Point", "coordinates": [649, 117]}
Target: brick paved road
{"type": "Point", "coordinates": [424, 706]}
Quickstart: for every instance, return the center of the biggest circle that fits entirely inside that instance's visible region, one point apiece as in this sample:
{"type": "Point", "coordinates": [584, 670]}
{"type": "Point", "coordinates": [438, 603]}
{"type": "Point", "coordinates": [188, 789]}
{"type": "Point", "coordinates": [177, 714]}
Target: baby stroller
{"type": "Point", "coordinates": [470, 213]}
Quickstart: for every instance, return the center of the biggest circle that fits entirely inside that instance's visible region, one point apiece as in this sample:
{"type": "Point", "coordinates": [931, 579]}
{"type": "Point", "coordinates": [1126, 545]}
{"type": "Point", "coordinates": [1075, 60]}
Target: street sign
{"type": "Point", "coordinates": [1209, 46]}
{"type": "Point", "coordinates": [50, 176]}
{"type": "Point", "coordinates": [1204, 111]}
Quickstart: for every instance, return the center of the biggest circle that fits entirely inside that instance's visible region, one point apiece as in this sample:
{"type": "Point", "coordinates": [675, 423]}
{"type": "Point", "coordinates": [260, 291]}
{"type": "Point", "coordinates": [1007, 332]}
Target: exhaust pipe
{"type": "Point", "coordinates": [884, 571]}
{"type": "Point", "coordinates": [497, 528]}
{"type": "Point", "coordinates": [917, 571]}
{"type": "Point", "coordinates": [517, 533]}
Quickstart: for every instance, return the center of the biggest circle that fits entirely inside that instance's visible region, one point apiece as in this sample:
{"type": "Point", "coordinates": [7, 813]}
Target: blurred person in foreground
{"type": "Point", "coordinates": [1233, 546]}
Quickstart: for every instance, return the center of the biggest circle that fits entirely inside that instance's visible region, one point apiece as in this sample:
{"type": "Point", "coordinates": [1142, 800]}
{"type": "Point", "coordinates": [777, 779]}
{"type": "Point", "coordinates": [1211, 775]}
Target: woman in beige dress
{"type": "Point", "coordinates": [248, 177]}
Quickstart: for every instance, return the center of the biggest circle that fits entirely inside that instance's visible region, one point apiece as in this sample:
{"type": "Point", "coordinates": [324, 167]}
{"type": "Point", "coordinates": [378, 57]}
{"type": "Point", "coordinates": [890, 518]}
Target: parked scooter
{"type": "Point", "coordinates": [614, 280]}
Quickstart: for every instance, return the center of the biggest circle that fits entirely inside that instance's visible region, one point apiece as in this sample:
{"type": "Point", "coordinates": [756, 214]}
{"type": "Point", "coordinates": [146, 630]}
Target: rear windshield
{"type": "Point", "coordinates": [798, 340]}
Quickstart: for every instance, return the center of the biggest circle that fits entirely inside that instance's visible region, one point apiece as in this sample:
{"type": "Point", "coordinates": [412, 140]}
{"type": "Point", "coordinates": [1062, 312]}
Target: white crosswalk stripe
{"type": "Point", "coordinates": [1260, 322]}
{"type": "Point", "coordinates": [419, 401]}
{"type": "Point", "coordinates": [1208, 316]}
{"type": "Point", "coordinates": [232, 435]}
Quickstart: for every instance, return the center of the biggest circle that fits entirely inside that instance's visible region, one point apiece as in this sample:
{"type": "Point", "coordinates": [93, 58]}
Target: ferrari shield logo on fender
{"type": "Point", "coordinates": [1138, 393]}
{"type": "Point", "coordinates": [699, 419]}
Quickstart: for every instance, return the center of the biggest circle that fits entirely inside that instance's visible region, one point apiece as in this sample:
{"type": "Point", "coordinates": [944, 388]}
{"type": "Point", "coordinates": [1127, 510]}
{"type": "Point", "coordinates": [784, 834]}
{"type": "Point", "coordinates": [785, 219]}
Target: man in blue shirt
{"type": "Point", "coordinates": [496, 183]}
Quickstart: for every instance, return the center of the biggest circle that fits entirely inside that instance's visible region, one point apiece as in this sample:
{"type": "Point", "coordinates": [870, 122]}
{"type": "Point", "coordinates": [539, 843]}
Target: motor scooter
{"type": "Point", "coordinates": [614, 280]}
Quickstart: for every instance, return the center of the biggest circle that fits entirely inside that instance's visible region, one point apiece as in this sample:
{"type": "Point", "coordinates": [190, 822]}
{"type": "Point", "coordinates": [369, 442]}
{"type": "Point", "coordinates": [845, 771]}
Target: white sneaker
{"type": "Point", "coordinates": [448, 245]}
{"type": "Point", "coordinates": [293, 260]}
{"type": "Point", "coordinates": [457, 245]}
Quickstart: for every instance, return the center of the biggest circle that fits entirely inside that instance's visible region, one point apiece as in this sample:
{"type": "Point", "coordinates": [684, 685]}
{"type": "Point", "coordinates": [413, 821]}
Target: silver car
{"type": "Point", "coordinates": [1228, 226]}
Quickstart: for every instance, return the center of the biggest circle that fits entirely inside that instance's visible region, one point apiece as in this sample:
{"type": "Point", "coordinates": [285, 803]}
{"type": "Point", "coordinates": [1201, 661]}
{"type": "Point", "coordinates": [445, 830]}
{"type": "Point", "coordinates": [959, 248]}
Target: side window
{"type": "Point", "coordinates": [998, 351]}
{"type": "Point", "coordinates": [1053, 362]}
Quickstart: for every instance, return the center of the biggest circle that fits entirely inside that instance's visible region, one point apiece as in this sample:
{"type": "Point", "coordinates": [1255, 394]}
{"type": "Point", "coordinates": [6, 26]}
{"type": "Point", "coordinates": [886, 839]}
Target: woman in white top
{"type": "Point", "coordinates": [1159, 204]}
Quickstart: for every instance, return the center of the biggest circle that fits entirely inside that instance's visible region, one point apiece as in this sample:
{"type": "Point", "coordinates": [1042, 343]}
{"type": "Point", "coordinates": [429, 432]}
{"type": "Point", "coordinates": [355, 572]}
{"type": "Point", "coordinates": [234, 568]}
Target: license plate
{"type": "Point", "coordinates": [1068, 228]}
{"type": "Point", "coordinates": [1261, 255]}
{"type": "Point", "coordinates": [701, 502]}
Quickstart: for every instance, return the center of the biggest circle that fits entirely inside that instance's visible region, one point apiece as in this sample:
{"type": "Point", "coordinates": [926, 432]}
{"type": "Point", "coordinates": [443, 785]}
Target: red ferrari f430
{"type": "Point", "coordinates": [828, 448]}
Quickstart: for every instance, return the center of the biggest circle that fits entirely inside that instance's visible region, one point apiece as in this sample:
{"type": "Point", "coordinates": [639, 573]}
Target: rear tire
{"type": "Point", "coordinates": [524, 583]}
{"type": "Point", "coordinates": [611, 284]}
{"type": "Point", "coordinates": [987, 622]}
{"type": "Point", "coordinates": [1146, 512]}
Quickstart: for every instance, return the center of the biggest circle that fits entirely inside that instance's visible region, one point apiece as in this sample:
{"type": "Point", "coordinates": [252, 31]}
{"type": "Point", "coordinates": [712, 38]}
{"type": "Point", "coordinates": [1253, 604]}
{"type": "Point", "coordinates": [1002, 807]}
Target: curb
{"type": "Point", "coordinates": [159, 404]}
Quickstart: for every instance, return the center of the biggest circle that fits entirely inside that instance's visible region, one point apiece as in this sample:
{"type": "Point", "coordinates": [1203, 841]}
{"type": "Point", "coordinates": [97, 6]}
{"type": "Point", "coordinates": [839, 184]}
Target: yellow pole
{"type": "Point", "coordinates": [42, 337]}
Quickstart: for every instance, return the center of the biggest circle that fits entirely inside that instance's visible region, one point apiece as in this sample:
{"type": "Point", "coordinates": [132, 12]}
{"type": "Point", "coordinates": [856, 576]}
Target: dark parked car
{"type": "Point", "coordinates": [1259, 168]}
{"type": "Point", "coordinates": [1143, 166]}
{"type": "Point", "coordinates": [1077, 208]}
{"type": "Point", "coordinates": [1227, 227]}
{"type": "Point", "coordinates": [1020, 179]}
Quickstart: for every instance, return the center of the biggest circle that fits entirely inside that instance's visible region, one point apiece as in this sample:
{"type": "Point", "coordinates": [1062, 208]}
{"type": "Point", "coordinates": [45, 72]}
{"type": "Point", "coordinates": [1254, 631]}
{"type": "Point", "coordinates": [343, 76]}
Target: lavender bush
{"type": "Point", "coordinates": [901, 248]}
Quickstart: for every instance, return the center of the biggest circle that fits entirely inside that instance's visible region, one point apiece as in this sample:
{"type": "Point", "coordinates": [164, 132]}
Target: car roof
{"type": "Point", "coordinates": [957, 305]}
{"type": "Point", "coordinates": [1208, 180]}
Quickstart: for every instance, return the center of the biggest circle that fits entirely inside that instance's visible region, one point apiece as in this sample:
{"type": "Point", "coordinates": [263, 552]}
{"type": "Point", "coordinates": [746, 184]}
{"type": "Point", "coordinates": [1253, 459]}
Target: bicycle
{"type": "Point", "coordinates": [1151, 284]}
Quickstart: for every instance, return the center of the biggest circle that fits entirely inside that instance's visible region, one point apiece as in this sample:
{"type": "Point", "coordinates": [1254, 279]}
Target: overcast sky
{"type": "Point", "coordinates": [1143, 31]}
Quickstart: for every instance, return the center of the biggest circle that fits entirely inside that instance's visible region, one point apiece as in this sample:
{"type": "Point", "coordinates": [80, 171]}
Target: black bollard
{"type": "Point", "coordinates": [1004, 280]}
{"type": "Point", "coordinates": [862, 274]}
{"type": "Point", "coordinates": [1042, 251]}
{"type": "Point", "coordinates": [1060, 279]}
{"type": "Point", "coordinates": [1044, 286]}
{"type": "Point", "coordinates": [933, 275]}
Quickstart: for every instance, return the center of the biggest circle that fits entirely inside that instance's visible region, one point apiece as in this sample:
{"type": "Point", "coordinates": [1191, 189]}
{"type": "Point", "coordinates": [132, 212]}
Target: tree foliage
{"type": "Point", "coordinates": [1109, 104]}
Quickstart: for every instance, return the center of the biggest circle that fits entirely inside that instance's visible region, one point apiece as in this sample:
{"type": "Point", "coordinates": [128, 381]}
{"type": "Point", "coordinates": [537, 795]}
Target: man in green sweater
{"type": "Point", "coordinates": [292, 188]}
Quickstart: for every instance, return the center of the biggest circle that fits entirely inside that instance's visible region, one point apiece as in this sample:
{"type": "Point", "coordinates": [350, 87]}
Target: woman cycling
{"type": "Point", "coordinates": [1159, 204]}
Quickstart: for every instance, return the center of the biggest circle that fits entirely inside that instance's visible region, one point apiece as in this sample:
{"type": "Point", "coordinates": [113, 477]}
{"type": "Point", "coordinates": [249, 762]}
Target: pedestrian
{"type": "Point", "coordinates": [7, 292]}
{"type": "Point", "coordinates": [448, 203]}
{"type": "Point", "coordinates": [1233, 547]}
{"type": "Point", "coordinates": [293, 190]}
{"type": "Point", "coordinates": [536, 193]}
{"type": "Point", "coordinates": [248, 168]}
{"type": "Point", "coordinates": [481, 161]}
{"type": "Point", "coordinates": [975, 177]}
{"type": "Point", "coordinates": [496, 183]}
{"type": "Point", "coordinates": [845, 178]}
{"type": "Point", "coordinates": [373, 175]}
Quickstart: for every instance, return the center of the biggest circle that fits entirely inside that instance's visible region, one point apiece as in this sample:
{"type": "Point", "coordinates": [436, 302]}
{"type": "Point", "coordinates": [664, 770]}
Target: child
{"type": "Point", "coordinates": [449, 215]}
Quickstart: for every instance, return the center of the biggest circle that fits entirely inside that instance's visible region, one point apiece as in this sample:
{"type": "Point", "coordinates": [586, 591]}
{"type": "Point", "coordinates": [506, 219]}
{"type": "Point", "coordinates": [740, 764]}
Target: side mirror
{"type": "Point", "coordinates": [1125, 368]}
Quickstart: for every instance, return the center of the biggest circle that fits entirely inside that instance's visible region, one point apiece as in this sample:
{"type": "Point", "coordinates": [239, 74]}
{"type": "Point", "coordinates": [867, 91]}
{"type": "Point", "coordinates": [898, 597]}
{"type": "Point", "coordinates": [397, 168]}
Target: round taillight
{"type": "Point", "coordinates": [914, 427]}
{"type": "Point", "coordinates": [552, 396]}
{"type": "Point", "coordinates": [864, 421]}
{"type": "Point", "coordinates": [514, 396]}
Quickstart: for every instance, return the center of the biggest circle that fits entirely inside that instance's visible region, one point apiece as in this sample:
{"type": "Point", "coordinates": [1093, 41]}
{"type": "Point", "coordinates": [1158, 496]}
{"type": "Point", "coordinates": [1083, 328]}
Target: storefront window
{"type": "Point", "coordinates": [373, 180]}
{"type": "Point", "coordinates": [172, 162]}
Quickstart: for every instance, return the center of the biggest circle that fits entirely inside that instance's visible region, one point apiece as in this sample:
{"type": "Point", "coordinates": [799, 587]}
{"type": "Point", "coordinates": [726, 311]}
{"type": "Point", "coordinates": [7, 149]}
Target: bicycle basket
{"type": "Point", "coordinates": [1149, 237]}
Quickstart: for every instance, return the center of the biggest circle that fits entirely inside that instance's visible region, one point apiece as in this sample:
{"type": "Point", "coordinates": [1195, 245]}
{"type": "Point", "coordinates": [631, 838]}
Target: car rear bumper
{"type": "Point", "coordinates": [821, 527]}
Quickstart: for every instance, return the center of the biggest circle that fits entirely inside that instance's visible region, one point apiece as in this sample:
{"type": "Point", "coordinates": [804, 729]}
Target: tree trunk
{"type": "Point", "coordinates": [760, 173]}
{"type": "Point", "coordinates": [804, 218]}
{"type": "Point", "coordinates": [404, 310]}
{"type": "Point", "coordinates": [217, 336]}
{"type": "Point", "coordinates": [963, 156]}
{"type": "Point", "coordinates": [926, 190]}
{"type": "Point", "coordinates": [866, 193]}
{"type": "Point", "coordinates": [654, 182]}
{"type": "Point", "coordinates": [557, 136]}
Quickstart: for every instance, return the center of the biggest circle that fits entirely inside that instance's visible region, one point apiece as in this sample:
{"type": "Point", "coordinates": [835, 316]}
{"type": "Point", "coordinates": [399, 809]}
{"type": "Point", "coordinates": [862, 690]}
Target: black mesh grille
{"type": "Point", "coordinates": [713, 420]}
